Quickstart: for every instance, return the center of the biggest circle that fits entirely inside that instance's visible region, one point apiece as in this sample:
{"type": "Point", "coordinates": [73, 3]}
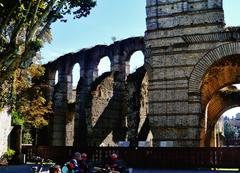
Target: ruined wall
{"type": "Point", "coordinates": [117, 110]}
{"type": "Point", "coordinates": [98, 111]}
{"type": "Point", "coordinates": [137, 107]}
{"type": "Point", "coordinates": [104, 114]}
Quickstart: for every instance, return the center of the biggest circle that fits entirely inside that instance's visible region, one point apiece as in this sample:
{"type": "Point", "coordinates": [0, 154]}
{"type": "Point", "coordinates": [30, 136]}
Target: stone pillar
{"type": "Point", "coordinates": [88, 75]}
{"type": "Point", "coordinates": [115, 65]}
{"type": "Point", "coordinates": [60, 109]}
{"type": "Point", "coordinates": [175, 117]}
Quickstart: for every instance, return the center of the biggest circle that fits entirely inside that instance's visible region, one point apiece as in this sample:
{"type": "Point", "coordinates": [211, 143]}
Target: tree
{"type": "Point", "coordinates": [230, 131]}
{"type": "Point", "coordinates": [24, 27]}
{"type": "Point", "coordinates": [30, 104]}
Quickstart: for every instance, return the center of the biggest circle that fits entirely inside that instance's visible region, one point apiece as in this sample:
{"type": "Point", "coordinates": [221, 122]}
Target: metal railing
{"type": "Point", "coordinates": [152, 157]}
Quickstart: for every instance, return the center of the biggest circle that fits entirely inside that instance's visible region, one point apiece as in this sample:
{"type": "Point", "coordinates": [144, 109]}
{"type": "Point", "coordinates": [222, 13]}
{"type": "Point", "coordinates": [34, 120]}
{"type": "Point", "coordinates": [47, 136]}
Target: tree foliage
{"type": "Point", "coordinates": [30, 105]}
{"type": "Point", "coordinates": [230, 131]}
{"type": "Point", "coordinates": [24, 27]}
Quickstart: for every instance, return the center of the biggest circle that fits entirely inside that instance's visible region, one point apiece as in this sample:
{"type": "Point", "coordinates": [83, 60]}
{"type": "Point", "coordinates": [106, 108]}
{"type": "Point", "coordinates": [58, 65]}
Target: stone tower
{"type": "Point", "coordinates": [179, 33]}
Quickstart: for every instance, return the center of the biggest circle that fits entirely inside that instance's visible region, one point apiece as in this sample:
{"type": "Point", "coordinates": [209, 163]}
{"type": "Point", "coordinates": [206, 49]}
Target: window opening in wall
{"type": "Point", "coordinates": [104, 65]}
{"type": "Point", "coordinates": [75, 75]}
{"type": "Point", "coordinates": [136, 61]}
{"type": "Point", "coordinates": [56, 77]}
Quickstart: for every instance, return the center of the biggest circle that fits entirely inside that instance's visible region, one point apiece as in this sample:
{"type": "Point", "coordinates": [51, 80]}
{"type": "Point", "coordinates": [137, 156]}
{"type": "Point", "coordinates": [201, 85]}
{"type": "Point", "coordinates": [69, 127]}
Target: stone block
{"type": "Point", "coordinates": [168, 95]}
{"type": "Point", "coordinates": [195, 107]}
{"type": "Point", "coordinates": [178, 31]}
{"type": "Point", "coordinates": [176, 133]}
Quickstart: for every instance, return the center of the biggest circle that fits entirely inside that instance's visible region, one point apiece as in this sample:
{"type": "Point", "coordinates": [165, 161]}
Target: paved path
{"type": "Point", "coordinates": [20, 169]}
{"type": "Point", "coordinates": [179, 171]}
{"type": "Point", "coordinates": [28, 169]}
{"type": "Point", "coordinates": [16, 169]}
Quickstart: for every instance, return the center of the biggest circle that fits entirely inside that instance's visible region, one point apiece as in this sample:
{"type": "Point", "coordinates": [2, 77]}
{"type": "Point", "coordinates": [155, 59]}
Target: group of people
{"type": "Point", "coordinates": [78, 164]}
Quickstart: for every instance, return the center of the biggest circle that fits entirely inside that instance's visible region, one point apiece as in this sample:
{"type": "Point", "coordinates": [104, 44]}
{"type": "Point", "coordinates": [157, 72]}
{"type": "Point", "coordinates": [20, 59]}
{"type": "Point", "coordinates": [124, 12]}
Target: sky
{"type": "Point", "coordinates": [112, 18]}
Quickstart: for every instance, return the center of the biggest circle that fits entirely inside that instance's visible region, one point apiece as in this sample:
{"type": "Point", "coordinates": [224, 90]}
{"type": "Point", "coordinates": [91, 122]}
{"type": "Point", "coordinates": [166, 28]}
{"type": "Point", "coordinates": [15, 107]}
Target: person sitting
{"type": "Point", "coordinates": [83, 163]}
{"type": "Point", "coordinates": [55, 169]}
{"type": "Point", "coordinates": [73, 165]}
{"type": "Point", "coordinates": [115, 164]}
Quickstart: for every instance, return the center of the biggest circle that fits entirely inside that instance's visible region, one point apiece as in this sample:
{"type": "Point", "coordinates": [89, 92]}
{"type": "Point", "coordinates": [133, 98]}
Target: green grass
{"type": "Point", "coordinates": [226, 169]}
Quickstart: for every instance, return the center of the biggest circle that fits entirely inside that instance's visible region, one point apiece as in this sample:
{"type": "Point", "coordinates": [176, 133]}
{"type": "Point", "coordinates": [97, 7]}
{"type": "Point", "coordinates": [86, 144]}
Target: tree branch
{"type": "Point", "coordinates": [6, 21]}
{"type": "Point", "coordinates": [34, 28]}
{"type": "Point", "coordinates": [33, 19]}
{"type": "Point", "coordinates": [50, 21]}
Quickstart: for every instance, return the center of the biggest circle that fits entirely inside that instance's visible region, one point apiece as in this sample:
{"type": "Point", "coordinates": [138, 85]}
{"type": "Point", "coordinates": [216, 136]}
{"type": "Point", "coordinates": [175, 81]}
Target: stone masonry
{"type": "Point", "coordinates": [99, 114]}
{"type": "Point", "coordinates": [184, 39]}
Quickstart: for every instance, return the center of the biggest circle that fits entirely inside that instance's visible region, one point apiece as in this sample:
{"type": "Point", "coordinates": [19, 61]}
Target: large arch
{"type": "Point", "coordinates": [222, 101]}
{"type": "Point", "coordinates": [207, 61]}
{"type": "Point", "coordinates": [217, 69]}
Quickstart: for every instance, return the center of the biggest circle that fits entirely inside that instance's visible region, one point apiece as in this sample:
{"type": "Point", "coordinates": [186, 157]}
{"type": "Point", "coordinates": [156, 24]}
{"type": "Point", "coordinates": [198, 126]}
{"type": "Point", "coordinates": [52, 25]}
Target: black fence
{"type": "Point", "coordinates": [152, 157]}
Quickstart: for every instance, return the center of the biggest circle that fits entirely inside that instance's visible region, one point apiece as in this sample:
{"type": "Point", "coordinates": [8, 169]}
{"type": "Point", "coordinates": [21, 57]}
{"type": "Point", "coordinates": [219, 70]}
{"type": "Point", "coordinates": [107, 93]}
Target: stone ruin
{"type": "Point", "coordinates": [106, 109]}
{"type": "Point", "coordinates": [189, 56]}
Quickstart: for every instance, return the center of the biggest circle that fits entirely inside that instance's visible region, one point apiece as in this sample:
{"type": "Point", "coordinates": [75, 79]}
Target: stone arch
{"type": "Point", "coordinates": [220, 103]}
{"type": "Point", "coordinates": [208, 60]}
{"type": "Point", "coordinates": [51, 71]}
{"type": "Point", "coordinates": [133, 59]}
{"type": "Point", "coordinates": [132, 45]}
{"type": "Point", "coordinates": [104, 61]}
{"type": "Point", "coordinates": [203, 84]}
{"type": "Point", "coordinates": [92, 58]}
{"type": "Point", "coordinates": [129, 47]}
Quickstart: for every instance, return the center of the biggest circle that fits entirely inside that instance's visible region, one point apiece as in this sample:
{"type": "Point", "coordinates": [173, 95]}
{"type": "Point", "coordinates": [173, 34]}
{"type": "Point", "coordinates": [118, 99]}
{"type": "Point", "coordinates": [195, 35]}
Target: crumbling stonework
{"type": "Point", "coordinates": [100, 108]}
{"type": "Point", "coordinates": [137, 107]}
{"type": "Point", "coordinates": [105, 116]}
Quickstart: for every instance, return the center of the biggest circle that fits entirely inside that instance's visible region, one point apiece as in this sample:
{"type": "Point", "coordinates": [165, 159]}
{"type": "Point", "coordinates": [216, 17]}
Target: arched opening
{"type": "Point", "coordinates": [219, 93]}
{"type": "Point", "coordinates": [56, 78]}
{"type": "Point", "coordinates": [136, 61]}
{"type": "Point", "coordinates": [104, 65]}
{"type": "Point", "coordinates": [75, 79]}
{"type": "Point", "coordinates": [232, 126]}
{"type": "Point", "coordinates": [231, 8]}
{"type": "Point", "coordinates": [232, 113]}
{"type": "Point", "coordinates": [75, 75]}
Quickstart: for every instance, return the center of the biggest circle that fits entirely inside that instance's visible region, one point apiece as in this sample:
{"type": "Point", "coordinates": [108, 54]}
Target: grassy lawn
{"type": "Point", "coordinates": [226, 169]}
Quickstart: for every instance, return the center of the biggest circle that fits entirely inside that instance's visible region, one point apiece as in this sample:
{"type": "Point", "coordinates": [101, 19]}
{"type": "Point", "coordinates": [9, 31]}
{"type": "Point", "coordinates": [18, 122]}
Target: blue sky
{"type": "Point", "coordinates": [118, 18]}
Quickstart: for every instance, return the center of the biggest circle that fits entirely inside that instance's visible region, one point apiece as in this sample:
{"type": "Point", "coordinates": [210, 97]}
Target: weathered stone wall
{"type": "Point", "coordinates": [70, 126]}
{"type": "Point", "coordinates": [117, 110]}
{"type": "Point", "coordinates": [5, 129]}
{"type": "Point", "coordinates": [137, 107]}
{"type": "Point", "coordinates": [179, 34]}
{"type": "Point", "coordinates": [105, 122]}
